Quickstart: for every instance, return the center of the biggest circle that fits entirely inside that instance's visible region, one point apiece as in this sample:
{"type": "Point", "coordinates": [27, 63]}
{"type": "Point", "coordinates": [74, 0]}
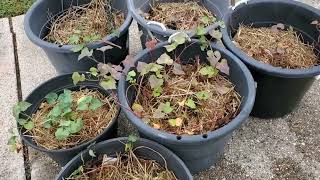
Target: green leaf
{"type": "Point", "coordinates": [130, 76]}
{"type": "Point", "coordinates": [132, 138]}
{"type": "Point", "coordinates": [91, 153]}
{"type": "Point", "coordinates": [203, 95]}
{"type": "Point", "coordinates": [221, 24]}
{"type": "Point", "coordinates": [200, 31]}
{"type": "Point", "coordinates": [166, 108]}
{"type": "Point", "coordinates": [62, 133]}
{"type": "Point", "coordinates": [175, 122]}
{"type": "Point", "coordinates": [203, 43]}
{"type": "Point", "coordinates": [85, 52]}
{"type": "Point", "coordinates": [83, 103]}
{"type": "Point", "coordinates": [74, 39]}
{"type": "Point", "coordinates": [155, 82]}
{"type": "Point", "coordinates": [78, 48]}
{"type": "Point", "coordinates": [94, 71]}
{"type": "Point", "coordinates": [108, 83]}
{"type": "Point", "coordinates": [208, 71]}
{"type": "Point", "coordinates": [65, 98]}
{"type": "Point", "coordinates": [20, 107]}
{"type": "Point", "coordinates": [95, 104]}
{"type": "Point", "coordinates": [171, 47]}
{"type": "Point", "coordinates": [76, 77]}
{"type": "Point", "coordinates": [76, 126]}
{"type": "Point", "coordinates": [151, 67]}
{"type": "Point", "coordinates": [51, 97]}
{"type": "Point", "coordinates": [165, 59]}
{"type": "Point", "coordinates": [21, 121]}
{"type": "Point", "coordinates": [29, 125]}
{"type": "Point", "coordinates": [190, 103]}
{"type": "Point", "coordinates": [205, 20]}
{"type": "Point", "coordinates": [12, 140]}
{"type": "Point", "coordinates": [179, 38]}
{"type": "Point", "coordinates": [55, 111]}
{"type": "Point", "coordinates": [157, 91]}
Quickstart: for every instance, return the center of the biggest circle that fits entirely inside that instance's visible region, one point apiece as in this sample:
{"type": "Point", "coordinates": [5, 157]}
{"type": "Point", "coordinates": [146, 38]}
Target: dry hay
{"type": "Point", "coordinates": [277, 47]}
{"type": "Point", "coordinates": [221, 107]}
{"type": "Point", "coordinates": [94, 122]}
{"type": "Point", "coordinates": [93, 19]}
{"type": "Point", "coordinates": [179, 16]}
{"type": "Point", "coordinates": [126, 166]}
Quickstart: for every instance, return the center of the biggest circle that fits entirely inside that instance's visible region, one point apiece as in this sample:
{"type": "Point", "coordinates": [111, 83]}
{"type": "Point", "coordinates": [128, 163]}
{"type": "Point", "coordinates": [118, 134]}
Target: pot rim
{"type": "Point", "coordinates": [168, 32]}
{"type": "Point", "coordinates": [28, 140]}
{"type": "Point", "coordinates": [185, 139]}
{"type": "Point", "coordinates": [140, 141]}
{"type": "Point", "coordinates": [257, 65]}
{"type": "Point", "coordinates": [68, 48]}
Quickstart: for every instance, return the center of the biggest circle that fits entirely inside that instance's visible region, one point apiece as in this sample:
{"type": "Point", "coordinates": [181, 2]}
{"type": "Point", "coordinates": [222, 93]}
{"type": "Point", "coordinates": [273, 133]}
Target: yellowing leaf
{"type": "Point", "coordinates": [165, 59]}
{"type": "Point", "coordinates": [137, 108]}
{"type": "Point", "coordinates": [156, 126]}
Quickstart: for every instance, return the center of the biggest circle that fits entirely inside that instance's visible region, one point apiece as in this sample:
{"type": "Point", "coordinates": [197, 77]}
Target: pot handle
{"type": "Point", "coordinates": [173, 35]}
{"type": "Point", "coordinates": [162, 26]}
{"type": "Point", "coordinates": [235, 4]}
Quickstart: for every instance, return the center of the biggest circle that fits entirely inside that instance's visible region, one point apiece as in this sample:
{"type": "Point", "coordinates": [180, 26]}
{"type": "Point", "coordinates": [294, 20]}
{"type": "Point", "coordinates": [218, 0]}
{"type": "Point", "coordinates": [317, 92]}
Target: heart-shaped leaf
{"type": "Point", "coordinates": [165, 59]}
{"type": "Point", "coordinates": [177, 69]}
{"type": "Point", "coordinates": [155, 82]}
{"type": "Point", "coordinates": [223, 66]}
{"type": "Point", "coordinates": [85, 52]}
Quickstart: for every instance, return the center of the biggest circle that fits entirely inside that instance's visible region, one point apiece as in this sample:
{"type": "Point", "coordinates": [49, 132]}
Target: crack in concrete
{"type": "Point", "coordinates": [27, 166]}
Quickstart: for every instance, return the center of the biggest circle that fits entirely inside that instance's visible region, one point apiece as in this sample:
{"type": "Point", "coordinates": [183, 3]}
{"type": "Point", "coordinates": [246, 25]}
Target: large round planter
{"type": "Point", "coordinates": [199, 152]}
{"type": "Point", "coordinates": [218, 7]}
{"type": "Point", "coordinates": [57, 85]}
{"type": "Point", "coordinates": [279, 90]}
{"type": "Point", "coordinates": [64, 60]}
{"type": "Point", "coordinates": [113, 146]}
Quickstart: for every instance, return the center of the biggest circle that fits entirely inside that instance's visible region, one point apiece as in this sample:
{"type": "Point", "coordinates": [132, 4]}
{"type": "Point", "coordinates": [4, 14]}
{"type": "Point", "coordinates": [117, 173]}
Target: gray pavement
{"type": "Point", "coordinates": [284, 148]}
{"type": "Point", "coordinates": [12, 164]}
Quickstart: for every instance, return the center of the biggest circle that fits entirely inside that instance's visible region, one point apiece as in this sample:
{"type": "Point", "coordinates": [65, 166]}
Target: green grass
{"type": "Point", "coordinates": [10, 8]}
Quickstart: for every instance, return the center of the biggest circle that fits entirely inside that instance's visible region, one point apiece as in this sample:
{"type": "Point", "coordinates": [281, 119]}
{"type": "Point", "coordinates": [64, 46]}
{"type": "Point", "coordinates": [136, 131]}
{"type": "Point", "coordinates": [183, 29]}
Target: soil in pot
{"type": "Point", "coordinates": [70, 118]}
{"type": "Point", "coordinates": [277, 45]}
{"type": "Point", "coordinates": [181, 15]}
{"type": "Point", "coordinates": [122, 166]}
{"type": "Point", "coordinates": [186, 98]}
{"type": "Point", "coordinates": [85, 23]}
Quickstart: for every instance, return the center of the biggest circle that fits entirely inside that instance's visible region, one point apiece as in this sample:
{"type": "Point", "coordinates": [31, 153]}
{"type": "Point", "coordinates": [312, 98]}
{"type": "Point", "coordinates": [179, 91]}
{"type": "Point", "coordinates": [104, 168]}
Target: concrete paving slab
{"type": "Point", "coordinates": [34, 70]}
{"type": "Point", "coordinates": [12, 164]}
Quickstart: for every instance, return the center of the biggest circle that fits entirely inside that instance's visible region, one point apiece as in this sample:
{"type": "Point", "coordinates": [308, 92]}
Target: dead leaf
{"type": "Point", "coordinates": [177, 69]}
{"type": "Point", "coordinates": [223, 66]}
{"type": "Point", "coordinates": [128, 62]}
{"type": "Point", "coordinates": [179, 122]}
{"type": "Point", "coordinates": [213, 57]}
{"type": "Point", "coordinates": [141, 66]}
{"type": "Point", "coordinates": [156, 126]}
{"type": "Point", "coordinates": [222, 89]}
{"type": "Point", "coordinates": [154, 81]}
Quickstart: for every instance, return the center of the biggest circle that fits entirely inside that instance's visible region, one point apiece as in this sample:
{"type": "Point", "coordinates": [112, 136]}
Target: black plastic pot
{"type": "Point", "coordinates": [218, 7]}
{"type": "Point", "coordinates": [113, 146]}
{"type": "Point", "coordinates": [64, 60]}
{"type": "Point", "coordinates": [57, 85]}
{"type": "Point", "coordinates": [279, 90]}
{"type": "Point", "coordinates": [199, 152]}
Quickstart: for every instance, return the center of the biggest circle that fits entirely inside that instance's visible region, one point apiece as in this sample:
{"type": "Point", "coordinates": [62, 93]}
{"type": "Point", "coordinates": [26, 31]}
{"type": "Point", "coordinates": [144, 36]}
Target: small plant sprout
{"type": "Point", "coordinates": [131, 140]}
{"type": "Point", "coordinates": [14, 142]}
